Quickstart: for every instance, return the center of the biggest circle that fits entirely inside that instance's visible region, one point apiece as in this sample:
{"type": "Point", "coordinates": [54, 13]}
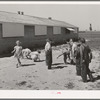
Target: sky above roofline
{"type": "Point", "coordinates": [78, 15]}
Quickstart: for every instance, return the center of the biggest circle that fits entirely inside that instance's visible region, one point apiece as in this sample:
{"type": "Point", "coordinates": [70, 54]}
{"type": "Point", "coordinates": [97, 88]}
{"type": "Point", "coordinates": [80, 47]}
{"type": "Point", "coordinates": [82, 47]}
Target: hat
{"type": "Point", "coordinates": [48, 40]}
{"type": "Point", "coordinates": [82, 40]}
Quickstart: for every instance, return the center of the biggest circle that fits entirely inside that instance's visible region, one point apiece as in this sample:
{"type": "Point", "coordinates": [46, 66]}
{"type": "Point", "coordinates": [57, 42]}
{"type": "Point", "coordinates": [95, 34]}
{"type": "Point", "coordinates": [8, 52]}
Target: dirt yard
{"type": "Point", "coordinates": [36, 76]}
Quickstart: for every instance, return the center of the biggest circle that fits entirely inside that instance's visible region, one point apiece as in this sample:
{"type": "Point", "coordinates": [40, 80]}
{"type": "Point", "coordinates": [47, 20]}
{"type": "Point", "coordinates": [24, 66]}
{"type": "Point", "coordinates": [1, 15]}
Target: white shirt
{"type": "Point", "coordinates": [47, 46]}
{"type": "Point", "coordinates": [74, 47]}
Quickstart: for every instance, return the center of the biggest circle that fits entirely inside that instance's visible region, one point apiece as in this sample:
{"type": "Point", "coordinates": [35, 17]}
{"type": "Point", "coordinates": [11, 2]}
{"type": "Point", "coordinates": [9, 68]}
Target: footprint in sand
{"type": "Point", "coordinates": [29, 86]}
{"type": "Point", "coordinates": [44, 82]}
{"type": "Point", "coordinates": [3, 81]}
{"type": "Point", "coordinates": [21, 83]}
{"type": "Point", "coordinates": [70, 85]}
{"type": "Point", "coordinates": [14, 80]}
{"type": "Point", "coordinates": [55, 83]}
{"type": "Point", "coordinates": [36, 88]}
{"type": "Point", "coordinates": [46, 88]}
{"type": "Point", "coordinates": [29, 76]}
{"type": "Point", "coordinates": [98, 85]}
{"type": "Point", "coordinates": [35, 76]}
{"type": "Point", "coordinates": [92, 86]}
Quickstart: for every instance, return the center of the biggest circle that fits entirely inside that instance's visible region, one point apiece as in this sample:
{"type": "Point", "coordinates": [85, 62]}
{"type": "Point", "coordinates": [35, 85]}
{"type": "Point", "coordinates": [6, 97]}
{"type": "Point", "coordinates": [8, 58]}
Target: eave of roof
{"type": "Point", "coordinates": [32, 20]}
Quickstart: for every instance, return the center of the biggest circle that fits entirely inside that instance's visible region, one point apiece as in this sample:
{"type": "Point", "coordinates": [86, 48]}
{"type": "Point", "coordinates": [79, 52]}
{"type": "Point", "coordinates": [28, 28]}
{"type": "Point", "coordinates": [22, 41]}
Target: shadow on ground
{"type": "Point", "coordinates": [40, 61]}
{"type": "Point", "coordinates": [34, 61]}
{"type": "Point", "coordinates": [24, 65]}
{"type": "Point", "coordinates": [97, 78]}
{"type": "Point", "coordinates": [57, 64]}
{"type": "Point", "coordinates": [58, 67]}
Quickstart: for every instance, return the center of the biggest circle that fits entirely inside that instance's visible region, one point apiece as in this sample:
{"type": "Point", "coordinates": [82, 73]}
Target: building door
{"type": "Point", "coordinates": [29, 31]}
{"type": "Point", "coordinates": [49, 31]}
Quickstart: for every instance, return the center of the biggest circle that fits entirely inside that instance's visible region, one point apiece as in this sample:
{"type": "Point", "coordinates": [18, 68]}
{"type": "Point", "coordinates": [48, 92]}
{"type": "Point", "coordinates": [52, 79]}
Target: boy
{"type": "Point", "coordinates": [48, 53]}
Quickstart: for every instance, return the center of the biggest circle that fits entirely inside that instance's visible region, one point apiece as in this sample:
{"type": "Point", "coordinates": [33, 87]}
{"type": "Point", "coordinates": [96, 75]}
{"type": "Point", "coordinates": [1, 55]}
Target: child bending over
{"type": "Point", "coordinates": [26, 53]}
{"type": "Point", "coordinates": [66, 54]}
{"type": "Point", "coordinates": [35, 56]}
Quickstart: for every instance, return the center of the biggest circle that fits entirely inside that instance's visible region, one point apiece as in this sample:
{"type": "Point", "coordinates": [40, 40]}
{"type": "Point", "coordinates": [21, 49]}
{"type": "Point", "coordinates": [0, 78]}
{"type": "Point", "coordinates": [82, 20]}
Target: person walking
{"type": "Point", "coordinates": [18, 53]}
{"type": "Point", "coordinates": [48, 53]}
{"type": "Point", "coordinates": [85, 59]}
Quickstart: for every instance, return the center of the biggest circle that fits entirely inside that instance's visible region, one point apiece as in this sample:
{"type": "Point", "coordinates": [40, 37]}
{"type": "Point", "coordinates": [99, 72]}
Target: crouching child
{"type": "Point", "coordinates": [35, 56]}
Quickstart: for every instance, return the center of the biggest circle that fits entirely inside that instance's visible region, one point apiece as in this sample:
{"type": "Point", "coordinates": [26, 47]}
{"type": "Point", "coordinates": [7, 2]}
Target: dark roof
{"type": "Point", "coordinates": [26, 19]}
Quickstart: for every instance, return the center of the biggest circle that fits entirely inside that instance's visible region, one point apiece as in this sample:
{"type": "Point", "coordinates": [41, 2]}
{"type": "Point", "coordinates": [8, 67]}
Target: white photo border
{"type": "Point", "coordinates": [50, 94]}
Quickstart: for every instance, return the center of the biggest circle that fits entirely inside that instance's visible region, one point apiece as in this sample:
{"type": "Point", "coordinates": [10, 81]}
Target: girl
{"type": "Point", "coordinates": [18, 52]}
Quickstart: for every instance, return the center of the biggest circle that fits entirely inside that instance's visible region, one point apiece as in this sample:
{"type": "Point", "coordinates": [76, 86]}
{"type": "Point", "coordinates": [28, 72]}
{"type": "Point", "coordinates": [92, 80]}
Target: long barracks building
{"type": "Point", "coordinates": [32, 31]}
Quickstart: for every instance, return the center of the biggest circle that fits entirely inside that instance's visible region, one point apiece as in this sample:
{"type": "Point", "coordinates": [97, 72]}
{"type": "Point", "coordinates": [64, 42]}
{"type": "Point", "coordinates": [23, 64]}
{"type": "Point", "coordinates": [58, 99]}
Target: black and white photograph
{"type": "Point", "coordinates": [49, 46]}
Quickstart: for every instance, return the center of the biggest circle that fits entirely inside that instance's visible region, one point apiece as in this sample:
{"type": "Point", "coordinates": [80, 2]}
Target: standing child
{"type": "Point", "coordinates": [48, 53]}
{"type": "Point", "coordinates": [78, 60]}
{"type": "Point", "coordinates": [18, 52]}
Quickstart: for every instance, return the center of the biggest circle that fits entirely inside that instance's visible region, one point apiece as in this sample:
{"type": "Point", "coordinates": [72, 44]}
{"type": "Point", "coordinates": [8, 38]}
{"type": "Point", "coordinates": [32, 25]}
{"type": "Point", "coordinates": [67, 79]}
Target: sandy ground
{"type": "Point", "coordinates": [36, 76]}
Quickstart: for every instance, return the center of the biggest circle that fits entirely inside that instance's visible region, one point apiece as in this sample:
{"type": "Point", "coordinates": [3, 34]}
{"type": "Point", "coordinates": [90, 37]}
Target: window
{"type": "Point", "coordinates": [67, 31]}
{"type": "Point", "coordinates": [49, 30]}
{"type": "Point", "coordinates": [40, 30]}
{"type": "Point", "coordinates": [76, 30]}
{"type": "Point", "coordinates": [13, 30]}
{"type": "Point", "coordinates": [57, 30]}
{"type": "Point", "coordinates": [29, 31]}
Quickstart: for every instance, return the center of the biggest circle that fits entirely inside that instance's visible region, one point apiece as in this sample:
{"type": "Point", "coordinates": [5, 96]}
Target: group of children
{"type": "Point", "coordinates": [77, 53]}
{"type": "Point", "coordinates": [68, 52]}
{"type": "Point", "coordinates": [19, 53]}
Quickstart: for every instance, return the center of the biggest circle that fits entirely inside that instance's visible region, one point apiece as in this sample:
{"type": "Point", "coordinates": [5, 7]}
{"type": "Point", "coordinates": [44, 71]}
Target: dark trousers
{"type": "Point", "coordinates": [78, 67]}
{"type": "Point", "coordinates": [49, 58]}
{"type": "Point", "coordinates": [65, 56]}
{"type": "Point", "coordinates": [86, 71]}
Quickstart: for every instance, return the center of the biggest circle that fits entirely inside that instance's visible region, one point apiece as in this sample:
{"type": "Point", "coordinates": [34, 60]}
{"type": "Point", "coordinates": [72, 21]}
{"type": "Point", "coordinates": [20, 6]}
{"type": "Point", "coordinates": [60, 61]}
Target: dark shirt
{"type": "Point", "coordinates": [84, 53]}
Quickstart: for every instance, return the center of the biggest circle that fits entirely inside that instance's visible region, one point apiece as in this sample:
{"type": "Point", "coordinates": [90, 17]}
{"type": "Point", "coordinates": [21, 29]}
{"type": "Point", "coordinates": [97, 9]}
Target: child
{"type": "Point", "coordinates": [26, 53]}
{"type": "Point", "coordinates": [77, 57]}
{"type": "Point", "coordinates": [18, 52]}
{"type": "Point", "coordinates": [35, 56]}
{"type": "Point", "coordinates": [65, 53]}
